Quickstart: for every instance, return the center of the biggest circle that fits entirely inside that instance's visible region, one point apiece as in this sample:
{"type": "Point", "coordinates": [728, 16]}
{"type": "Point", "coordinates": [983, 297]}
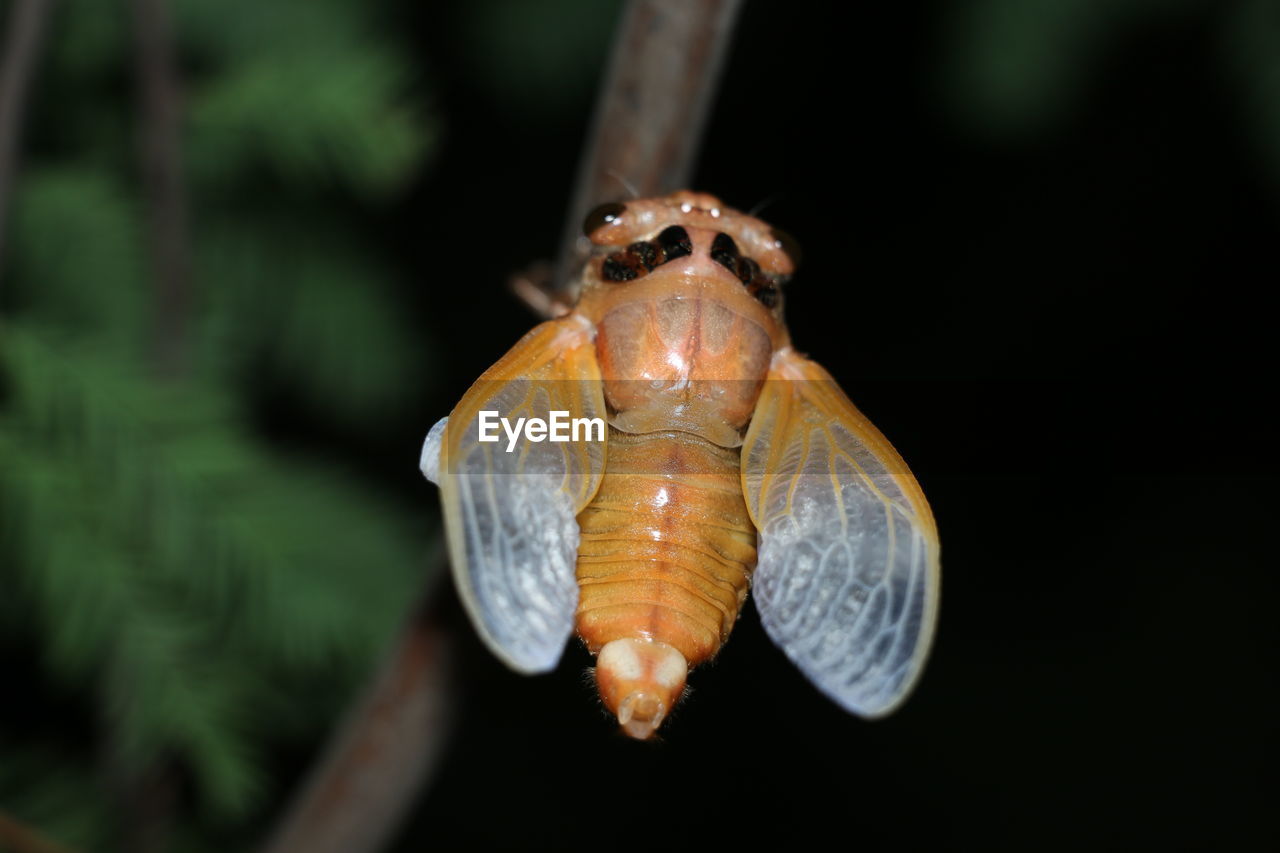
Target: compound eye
{"type": "Point", "coordinates": [768, 296]}
{"type": "Point", "coordinates": [605, 214]}
{"type": "Point", "coordinates": [788, 244]}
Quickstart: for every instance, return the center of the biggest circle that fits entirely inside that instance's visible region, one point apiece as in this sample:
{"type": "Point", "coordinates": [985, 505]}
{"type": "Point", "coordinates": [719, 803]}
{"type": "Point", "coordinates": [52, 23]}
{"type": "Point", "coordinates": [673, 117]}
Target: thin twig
{"type": "Point", "coordinates": [17, 837]}
{"type": "Point", "coordinates": [146, 794]}
{"type": "Point", "coordinates": [381, 756]}
{"type": "Point", "coordinates": [24, 35]}
{"type": "Point", "coordinates": [160, 150]}
{"type": "Point", "coordinates": [652, 109]}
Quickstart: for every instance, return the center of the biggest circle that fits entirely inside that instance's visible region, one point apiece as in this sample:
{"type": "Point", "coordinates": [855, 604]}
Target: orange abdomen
{"type": "Point", "coordinates": [667, 547]}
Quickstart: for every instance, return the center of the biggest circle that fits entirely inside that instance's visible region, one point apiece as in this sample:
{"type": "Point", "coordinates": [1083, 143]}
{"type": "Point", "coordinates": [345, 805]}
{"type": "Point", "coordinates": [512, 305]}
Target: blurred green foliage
{"type": "Point", "coordinates": [1017, 68]}
{"type": "Point", "coordinates": [199, 597]}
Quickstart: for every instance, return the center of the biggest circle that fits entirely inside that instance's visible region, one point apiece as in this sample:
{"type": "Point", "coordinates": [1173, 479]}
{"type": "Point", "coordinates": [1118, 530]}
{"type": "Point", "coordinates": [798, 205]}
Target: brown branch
{"type": "Point", "coordinates": [146, 795]}
{"type": "Point", "coordinates": [24, 35]}
{"type": "Point", "coordinates": [652, 109]}
{"type": "Point", "coordinates": [160, 151]}
{"type": "Point", "coordinates": [17, 837]}
{"type": "Point", "coordinates": [382, 755]}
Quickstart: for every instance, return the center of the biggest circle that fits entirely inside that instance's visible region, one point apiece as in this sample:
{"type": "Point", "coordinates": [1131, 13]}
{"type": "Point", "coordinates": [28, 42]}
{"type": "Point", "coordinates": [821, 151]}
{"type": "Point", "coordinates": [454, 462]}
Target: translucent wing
{"type": "Point", "coordinates": [510, 515]}
{"type": "Point", "coordinates": [848, 579]}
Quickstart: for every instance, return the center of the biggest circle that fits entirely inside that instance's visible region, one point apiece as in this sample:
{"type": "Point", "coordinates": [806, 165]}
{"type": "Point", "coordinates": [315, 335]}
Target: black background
{"type": "Point", "coordinates": [1059, 331]}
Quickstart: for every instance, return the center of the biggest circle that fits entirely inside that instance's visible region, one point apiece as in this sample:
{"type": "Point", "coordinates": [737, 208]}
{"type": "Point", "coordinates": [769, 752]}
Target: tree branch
{"type": "Point", "coordinates": [160, 150]}
{"type": "Point", "coordinates": [651, 111]}
{"type": "Point", "coordinates": [146, 794]}
{"type": "Point", "coordinates": [381, 756]}
{"type": "Point", "coordinates": [24, 35]}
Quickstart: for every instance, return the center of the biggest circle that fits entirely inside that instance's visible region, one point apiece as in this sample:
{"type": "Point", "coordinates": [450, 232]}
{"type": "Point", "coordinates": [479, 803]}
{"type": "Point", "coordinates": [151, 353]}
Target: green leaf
{"type": "Point", "coordinates": [77, 248]}
{"type": "Point", "coordinates": [192, 573]}
{"type": "Point", "coordinates": [311, 121]}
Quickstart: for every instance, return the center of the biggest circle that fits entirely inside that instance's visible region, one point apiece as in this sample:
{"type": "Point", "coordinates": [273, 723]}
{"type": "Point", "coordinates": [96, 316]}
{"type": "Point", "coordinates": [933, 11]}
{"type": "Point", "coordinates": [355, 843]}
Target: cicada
{"type": "Point", "coordinates": [722, 460]}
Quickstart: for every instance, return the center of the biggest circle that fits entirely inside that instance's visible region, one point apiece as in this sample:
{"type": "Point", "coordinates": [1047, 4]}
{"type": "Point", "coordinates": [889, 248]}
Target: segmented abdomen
{"type": "Point", "coordinates": [667, 547]}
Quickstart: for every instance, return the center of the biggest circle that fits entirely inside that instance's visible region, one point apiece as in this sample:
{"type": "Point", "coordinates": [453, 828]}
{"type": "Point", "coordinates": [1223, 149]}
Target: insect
{"type": "Point", "coordinates": [730, 462]}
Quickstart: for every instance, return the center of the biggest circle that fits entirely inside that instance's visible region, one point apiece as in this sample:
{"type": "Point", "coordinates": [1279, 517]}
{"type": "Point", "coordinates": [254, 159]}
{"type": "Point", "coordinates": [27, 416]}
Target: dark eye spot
{"type": "Point", "coordinates": [602, 216]}
{"type": "Point", "coordinates": [623, 266]}
{"type": "Point", "coordinates": [768, 296]}
{"type": "Point", "coordinates": [788, 244]}
{"type": "Point", "coordinates": [646, 253]}
{"type": "Point", "coordinates": [725, 252]}
{"type": "Point", "coordinates": [675, 243]}
{"type": "Point", "coordinates": [747, 271]}
{"type": "Point", "coordinates": [644, 257]}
